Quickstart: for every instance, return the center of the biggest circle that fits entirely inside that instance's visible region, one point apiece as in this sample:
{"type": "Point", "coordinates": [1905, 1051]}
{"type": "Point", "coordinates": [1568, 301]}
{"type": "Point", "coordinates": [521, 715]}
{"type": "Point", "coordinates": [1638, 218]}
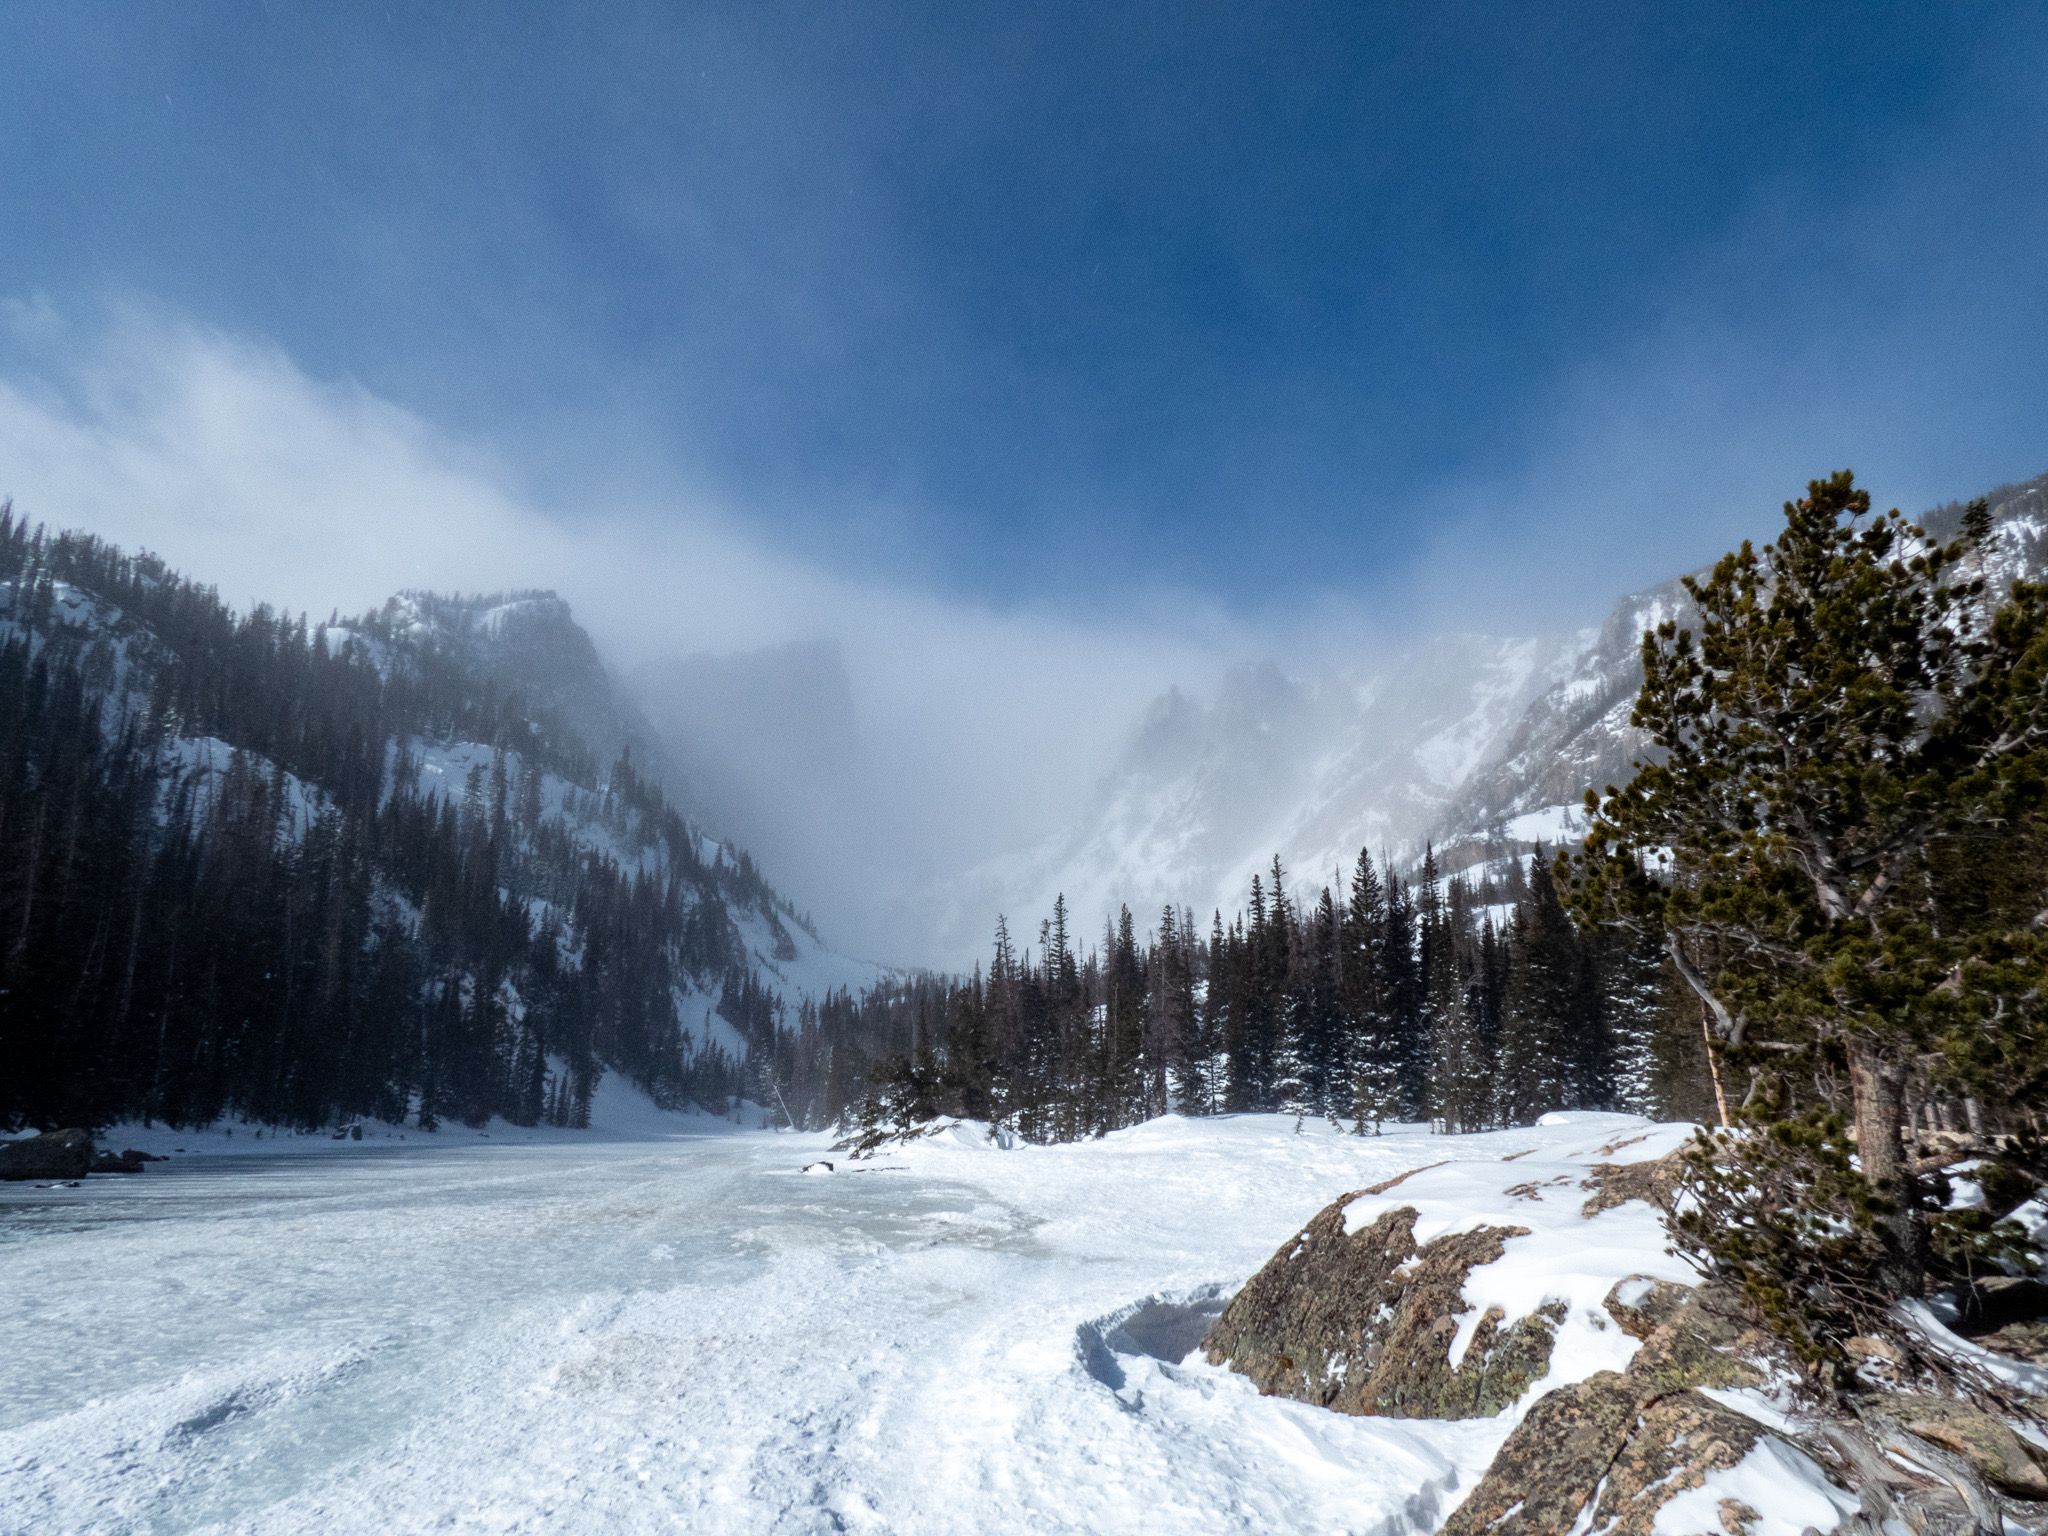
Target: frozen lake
{"type": "Point", "coordinates": [687, 1334]}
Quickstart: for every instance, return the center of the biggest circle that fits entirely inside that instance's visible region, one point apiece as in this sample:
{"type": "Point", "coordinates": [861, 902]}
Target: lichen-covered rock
{"type": "Point", "coordinates": [1363, 1323]}
{"type": "Point", "coordinates": [1553, 1462]}
{"type": "Point", "coordinates": [1642, 1304]}
{"type": "Point", "coordinates": [2000, 1456]}
{"type": "Point", "coordinates": [1613, 1183]}
{"type": "Point", "coordinates": [1614, 1438]}
{"type": "Point", "coordinates": [1707, 1340]}
{"type": "Point", "coordinates": [2023, 1341]}
{"type": "Point", "coordinates": [52, 1155]}
{"type": "Point", "coordinates": [1633, 1439]}
{"type": "Point", "coordinates": [1678, 1439]}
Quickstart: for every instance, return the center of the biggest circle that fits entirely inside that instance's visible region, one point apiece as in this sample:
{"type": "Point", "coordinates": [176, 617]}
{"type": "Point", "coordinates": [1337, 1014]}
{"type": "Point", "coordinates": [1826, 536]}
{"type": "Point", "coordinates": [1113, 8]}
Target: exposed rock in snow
{"type": "Point", "coordinates": [53, 1155]}
{"type": "Point", "coordinates": [2001, 1457]}
{"type": "Point", "coordinates": [1362, 1322]}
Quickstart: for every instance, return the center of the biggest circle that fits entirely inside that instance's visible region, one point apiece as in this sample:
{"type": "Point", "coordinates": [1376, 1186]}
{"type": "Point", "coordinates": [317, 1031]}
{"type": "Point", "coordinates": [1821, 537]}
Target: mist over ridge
{"type": "Point", "coordinates": [907, 765]}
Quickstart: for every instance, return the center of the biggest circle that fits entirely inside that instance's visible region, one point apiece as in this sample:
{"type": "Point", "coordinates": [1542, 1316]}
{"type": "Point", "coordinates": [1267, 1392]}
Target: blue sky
{"type": "Point", "coordinates": [1266, 306]}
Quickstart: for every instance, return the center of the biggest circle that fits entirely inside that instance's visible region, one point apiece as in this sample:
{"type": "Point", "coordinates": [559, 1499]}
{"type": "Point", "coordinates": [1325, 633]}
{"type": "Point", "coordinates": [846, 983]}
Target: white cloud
{"type": "Point", "coordinates": [219, 453]}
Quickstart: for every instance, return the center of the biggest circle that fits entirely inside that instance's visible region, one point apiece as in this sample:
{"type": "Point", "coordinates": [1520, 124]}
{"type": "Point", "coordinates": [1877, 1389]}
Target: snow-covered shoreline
{"type": "Point", "coordinates": [683, 1332]}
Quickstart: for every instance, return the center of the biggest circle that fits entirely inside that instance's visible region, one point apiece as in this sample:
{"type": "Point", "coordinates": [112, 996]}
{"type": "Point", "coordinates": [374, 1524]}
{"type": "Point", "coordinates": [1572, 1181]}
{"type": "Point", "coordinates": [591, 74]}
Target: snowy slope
{"type": "Point", "coordinates": [688, 1334]}
{"type": "Point", "coordinates": [523, 645]}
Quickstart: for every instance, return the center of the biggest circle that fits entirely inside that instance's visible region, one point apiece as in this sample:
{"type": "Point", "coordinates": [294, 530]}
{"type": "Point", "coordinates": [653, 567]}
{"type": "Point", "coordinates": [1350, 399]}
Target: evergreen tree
{"type": "Point", "coordinates": [1846, 727]}
{"type": "Point", "coordinates": [1322, 1069]}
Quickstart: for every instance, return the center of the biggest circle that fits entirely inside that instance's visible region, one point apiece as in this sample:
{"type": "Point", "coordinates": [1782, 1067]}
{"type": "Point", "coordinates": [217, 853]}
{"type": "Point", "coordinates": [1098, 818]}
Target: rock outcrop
{"type": "Point", "coordinates": [1629, 1442]}
{"type": "Point", "coordinates": [52, 1155]}
{"type": "Point", "coordinates": [1364, 1322]}
{"type": "Point", "coordinates": [1612, 1451]}
{"type": "Point", "coordinates": [2001, 1457]}
{"type": "Point", "coordinates": [1354, 1313]}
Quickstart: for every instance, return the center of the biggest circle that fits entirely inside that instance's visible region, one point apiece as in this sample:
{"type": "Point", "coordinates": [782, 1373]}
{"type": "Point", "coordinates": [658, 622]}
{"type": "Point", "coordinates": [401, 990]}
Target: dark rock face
{"type": "Point", "coordinates": [1991, 1304]}
{"type": "Point", "coordinates": [130, 1161]}
{"type": "Point", "coordinates": [2005, 1313]}
{"type": "Point", "coordinates": [1364, 1323]}
{"type": "Point", "coordinates": [52, 1155]}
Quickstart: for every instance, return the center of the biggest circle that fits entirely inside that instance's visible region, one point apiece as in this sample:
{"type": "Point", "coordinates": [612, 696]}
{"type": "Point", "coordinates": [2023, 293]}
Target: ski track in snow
{"type": "Point", "coordinates": [684, 1333]}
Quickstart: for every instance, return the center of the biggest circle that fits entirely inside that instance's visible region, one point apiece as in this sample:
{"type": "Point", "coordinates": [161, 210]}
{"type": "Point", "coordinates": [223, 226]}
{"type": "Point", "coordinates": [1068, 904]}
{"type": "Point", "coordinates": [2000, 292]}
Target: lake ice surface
{"type": "Point", "coordinates": [687, 1333]}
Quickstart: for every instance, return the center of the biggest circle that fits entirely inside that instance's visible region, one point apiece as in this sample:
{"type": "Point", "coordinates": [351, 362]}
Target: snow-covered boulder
{"type": "Point", "coordinates": [1453, 1291]}
{"type": "Point", "coordinates": [1362, 1322]}
{"type": "Point", "coordinates": [1609, 1449]}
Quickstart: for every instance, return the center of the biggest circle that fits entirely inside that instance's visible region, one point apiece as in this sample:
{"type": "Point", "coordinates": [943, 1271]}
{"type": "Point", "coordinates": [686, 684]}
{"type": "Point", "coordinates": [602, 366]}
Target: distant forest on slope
{"type": "Point", "coordinates": [225, 893]}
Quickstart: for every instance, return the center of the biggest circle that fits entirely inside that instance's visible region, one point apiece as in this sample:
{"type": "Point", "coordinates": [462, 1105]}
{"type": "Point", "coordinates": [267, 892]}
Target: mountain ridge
{"type": "Point", "coordinates": [1477, 746]}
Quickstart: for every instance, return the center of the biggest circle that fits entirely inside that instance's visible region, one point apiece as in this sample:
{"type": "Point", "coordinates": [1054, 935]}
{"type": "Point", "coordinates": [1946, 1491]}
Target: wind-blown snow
{"type": "Point", "coordinates": [687, 1333]}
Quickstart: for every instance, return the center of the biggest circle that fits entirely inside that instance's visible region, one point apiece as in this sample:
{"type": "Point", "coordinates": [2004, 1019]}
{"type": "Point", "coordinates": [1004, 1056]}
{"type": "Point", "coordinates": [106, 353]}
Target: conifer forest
{"type": "Point", "coordinates": [1477, 1005]}
{"type": "Point", "coordinates": [306, 934]}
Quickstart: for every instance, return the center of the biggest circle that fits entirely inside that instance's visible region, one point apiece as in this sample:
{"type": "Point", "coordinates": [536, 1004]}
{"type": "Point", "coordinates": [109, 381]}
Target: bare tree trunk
{"type": "Point", "coordinates": [1878, 1088]}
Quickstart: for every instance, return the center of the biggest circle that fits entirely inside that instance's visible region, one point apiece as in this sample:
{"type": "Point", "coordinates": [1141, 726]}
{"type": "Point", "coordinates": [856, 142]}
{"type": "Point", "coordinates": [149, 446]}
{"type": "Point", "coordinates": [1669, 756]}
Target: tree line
{"type": "Point", "coordinates": [1478, 1003]}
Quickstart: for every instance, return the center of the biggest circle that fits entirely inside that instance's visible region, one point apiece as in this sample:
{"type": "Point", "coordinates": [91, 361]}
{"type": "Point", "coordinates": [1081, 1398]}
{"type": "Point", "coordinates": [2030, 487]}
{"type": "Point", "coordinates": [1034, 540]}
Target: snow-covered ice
{"type": "Point", "coordinates": [684, 1332]}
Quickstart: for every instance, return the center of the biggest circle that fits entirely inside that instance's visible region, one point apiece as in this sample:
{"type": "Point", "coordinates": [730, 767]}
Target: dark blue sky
{"type": "Point", "coordinates": [1037, 303]}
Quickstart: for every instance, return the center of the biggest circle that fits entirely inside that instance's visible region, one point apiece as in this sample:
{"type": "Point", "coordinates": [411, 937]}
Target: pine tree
{"type": "Point", "coordinates": [1636, 1009]}
{"type": "Point", "coordinates": [1541, 1012]}
{"type": "Point", "coordinates": [1322, 1068]}
{"type": "Point", "coordinates": [1846, 713]}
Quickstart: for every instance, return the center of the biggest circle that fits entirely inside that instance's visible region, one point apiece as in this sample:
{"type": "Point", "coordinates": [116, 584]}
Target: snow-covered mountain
{"type": "Point", "coordinates": [420, 858]}
{"type": "Point", "coordinates": [1481, 745]}
{"type": "Point", "coordinates": [1310, 769]}
{"type": "Point", "coordinates": [529, 644]}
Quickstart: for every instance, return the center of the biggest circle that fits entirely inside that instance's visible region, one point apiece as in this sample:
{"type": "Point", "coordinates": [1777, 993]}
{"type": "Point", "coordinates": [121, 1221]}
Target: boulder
{"type": "Point", "coordinates": [1632, 1439]}
{"type": "Point", "coordinates": [127, 1162]}
{"type": "Point", "coordinates": [1614, 1439]}
{"type": "Point", "coordinates": [1551, 1465]}
{"type": "Point", "coordinates": [2023, 1341]}
{"type": "Point", "coordinates": [1706, 1340]}
{"type": "Point", "coordinates": [1678, 1439]}
{"type": "Point", "coordinates": [52, 1155]}
{"type": "Point", "coordinates": [1364, 1322]}
{"type": "Point", "coordinates": [1642, 1304]}
{"type": "Point", "coordinates": [1613, 1183]}
{"type": "Point", "coordinates": [2001, 1457]}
